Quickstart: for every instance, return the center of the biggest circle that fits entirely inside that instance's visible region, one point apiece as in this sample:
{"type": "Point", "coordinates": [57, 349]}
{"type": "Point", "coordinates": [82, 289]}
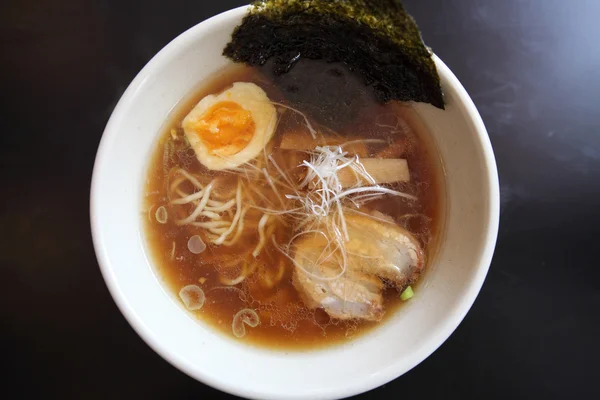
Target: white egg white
{"type": "Point", "coordinates": [254, 100]}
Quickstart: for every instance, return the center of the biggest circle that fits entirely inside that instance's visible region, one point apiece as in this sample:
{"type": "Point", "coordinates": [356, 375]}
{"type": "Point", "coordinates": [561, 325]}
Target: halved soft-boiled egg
{"type": "Point", "coordinates": [231, 128]}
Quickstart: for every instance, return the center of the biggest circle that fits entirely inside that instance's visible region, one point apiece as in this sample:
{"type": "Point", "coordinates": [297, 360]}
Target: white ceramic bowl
{"type": "Point", "coordinates": [370, 361]}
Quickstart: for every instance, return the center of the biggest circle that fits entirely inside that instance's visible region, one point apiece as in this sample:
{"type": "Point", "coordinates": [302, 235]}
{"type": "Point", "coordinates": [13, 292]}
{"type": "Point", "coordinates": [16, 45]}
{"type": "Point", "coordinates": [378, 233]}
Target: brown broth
{"type": "Point", "coordinates": [285, 322]}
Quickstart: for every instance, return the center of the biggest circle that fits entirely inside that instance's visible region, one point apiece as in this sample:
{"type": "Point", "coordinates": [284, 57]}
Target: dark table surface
{"type": "Point", "coordinates": [532, 68]}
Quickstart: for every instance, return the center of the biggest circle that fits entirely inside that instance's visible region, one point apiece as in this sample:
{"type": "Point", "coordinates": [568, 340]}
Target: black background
{"type": "Point", "coordinates": [532, 68]}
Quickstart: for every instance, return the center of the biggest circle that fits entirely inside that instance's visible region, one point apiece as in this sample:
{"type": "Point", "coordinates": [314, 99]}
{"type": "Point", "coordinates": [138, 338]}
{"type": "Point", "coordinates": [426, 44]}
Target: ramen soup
{"type": "Point", "coordinates": [290, 221]}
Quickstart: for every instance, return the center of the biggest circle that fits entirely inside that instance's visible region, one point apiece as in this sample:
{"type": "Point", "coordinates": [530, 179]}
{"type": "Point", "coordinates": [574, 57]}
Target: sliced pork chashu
{"type": "Point", "coordinates": [354, 294]}
{"type": "Point", "coordinates": [376, 250]}
{"type": "Point", "coordinates": [384, 249]}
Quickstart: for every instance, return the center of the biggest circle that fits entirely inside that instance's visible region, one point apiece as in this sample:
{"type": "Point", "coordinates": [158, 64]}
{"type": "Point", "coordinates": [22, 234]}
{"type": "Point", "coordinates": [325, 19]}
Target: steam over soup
{"type": "Point", "coordinates": [279, 229]}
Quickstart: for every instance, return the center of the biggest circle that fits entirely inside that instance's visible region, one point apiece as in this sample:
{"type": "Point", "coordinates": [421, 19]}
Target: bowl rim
{"type": "Point", "coordinates": [393, 371]}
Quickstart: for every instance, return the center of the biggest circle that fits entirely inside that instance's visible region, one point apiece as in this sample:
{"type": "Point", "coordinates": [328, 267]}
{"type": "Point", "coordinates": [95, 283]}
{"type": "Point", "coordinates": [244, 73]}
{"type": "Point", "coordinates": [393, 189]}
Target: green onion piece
{"type": "Point", "coordinates": [407, 294]}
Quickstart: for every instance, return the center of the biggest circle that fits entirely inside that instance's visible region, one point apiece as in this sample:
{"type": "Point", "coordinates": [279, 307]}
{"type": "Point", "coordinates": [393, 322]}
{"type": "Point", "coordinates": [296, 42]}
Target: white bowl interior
{"type": "Point", "coordinates": [374, 359]}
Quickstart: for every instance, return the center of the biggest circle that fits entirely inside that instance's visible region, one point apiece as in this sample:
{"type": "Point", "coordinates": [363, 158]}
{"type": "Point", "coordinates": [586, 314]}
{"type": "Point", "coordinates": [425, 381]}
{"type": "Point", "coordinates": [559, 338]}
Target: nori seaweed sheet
{"type": "Point", "coordinates": [376, 39]}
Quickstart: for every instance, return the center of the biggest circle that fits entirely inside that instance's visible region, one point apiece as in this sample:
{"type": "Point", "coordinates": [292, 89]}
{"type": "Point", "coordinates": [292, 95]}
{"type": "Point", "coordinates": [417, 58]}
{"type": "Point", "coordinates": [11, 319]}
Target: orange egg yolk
{"type": "Point", "coordinates": [226, 128]}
